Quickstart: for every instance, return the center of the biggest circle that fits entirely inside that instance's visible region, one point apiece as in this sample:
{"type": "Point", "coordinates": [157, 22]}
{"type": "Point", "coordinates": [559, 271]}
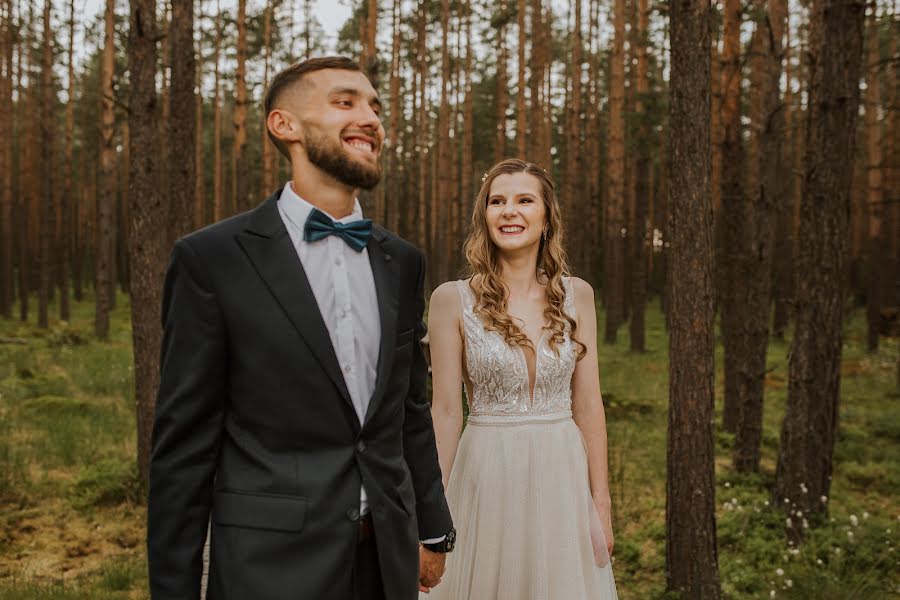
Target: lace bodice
{"type": "Point", "coordinates": [499, 373]}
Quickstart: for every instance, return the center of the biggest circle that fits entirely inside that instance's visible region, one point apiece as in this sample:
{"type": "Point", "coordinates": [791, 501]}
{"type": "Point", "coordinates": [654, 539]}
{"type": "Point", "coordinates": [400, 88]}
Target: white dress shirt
{"type": "Point", "coordinates": [342, 282]}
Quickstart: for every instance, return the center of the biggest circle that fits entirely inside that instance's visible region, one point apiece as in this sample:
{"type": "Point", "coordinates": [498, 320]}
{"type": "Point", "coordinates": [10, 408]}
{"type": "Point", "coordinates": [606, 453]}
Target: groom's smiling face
{"type": "Point", "coordinates": [338, 115]}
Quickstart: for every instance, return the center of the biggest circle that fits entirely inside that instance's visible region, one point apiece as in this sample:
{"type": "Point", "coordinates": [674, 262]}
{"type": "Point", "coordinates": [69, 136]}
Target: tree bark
{"type": "Point", "coordinates": [440, 213]}
{"type": "Point", "coordinates": [391, 214]}
{"type": "Point", "coordinates": [200, 218]}
{"type": "Point", "coordinates": [877, 247]}
{"type": "Point", "coordinates": [106, 198]}
{"type": "Point", "coordinates": [783, 262]}
{"type": "Point", "coordinates": [182, 120]}
{"type": "Point", "coordinates": [691, 554]}
{"type": "Point", "coordinates": [641, 230]}
{"type": "Point", "coordinates": [218, 177]}
{"type": "Point", "coordinates": [521, 114]}
{"type": "Point", "coordinates": [756, 259]}
{"type": "Point", "coordinates": [501, 96]}
{"type": "Point", "coordinates": [67, 197]}
{"type": "Point", "coordinates": [730, 225]}
{"type": "Point", "coordinates": [613, 263]}
{"type": "Point", "coordinates": [148, 218]}
{"type": "Point", "coordinates": [808, 432]}
{"type": "Point", "coordinates": [240, 191]}
{"type": "Point", "coordinates": [7, 286]}
{"type": "Point", "coordinates": [48, 209]}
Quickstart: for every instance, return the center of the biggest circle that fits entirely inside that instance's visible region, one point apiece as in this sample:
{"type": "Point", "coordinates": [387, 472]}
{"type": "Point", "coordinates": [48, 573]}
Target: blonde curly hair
{"type": "Point", "coordinates": [491, 294]}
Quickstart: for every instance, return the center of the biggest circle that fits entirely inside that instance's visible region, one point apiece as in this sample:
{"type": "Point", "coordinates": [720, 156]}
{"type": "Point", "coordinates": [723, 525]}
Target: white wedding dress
{"type": "Point", "coordinates": [519, 491]}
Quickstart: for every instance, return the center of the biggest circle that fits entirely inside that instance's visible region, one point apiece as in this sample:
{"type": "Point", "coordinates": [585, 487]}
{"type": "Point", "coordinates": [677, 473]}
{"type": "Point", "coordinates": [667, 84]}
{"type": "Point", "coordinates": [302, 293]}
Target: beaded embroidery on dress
{"type": "Point", "coordinates": [519, 491]}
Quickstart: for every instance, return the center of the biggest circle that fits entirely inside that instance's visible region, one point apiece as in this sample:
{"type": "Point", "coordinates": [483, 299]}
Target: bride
{"type": "Point", "coordinates": [527, 479]}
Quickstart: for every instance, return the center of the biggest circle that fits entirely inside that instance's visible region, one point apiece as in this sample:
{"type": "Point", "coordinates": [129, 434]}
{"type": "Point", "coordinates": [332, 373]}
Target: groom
{"type": "Point", "coordinates": [292, 408]}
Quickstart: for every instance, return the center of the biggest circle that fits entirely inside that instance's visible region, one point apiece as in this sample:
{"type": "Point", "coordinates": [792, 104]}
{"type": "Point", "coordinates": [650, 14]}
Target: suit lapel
{"type": "Point", "coordinates": [386, 280]}
{"type": "Point", "coordinates": [269, 247]}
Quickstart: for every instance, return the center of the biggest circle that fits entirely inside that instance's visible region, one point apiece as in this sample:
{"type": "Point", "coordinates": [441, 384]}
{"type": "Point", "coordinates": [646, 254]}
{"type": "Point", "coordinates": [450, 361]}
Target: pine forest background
{"type": "Point", "coordinates": [728, 175]}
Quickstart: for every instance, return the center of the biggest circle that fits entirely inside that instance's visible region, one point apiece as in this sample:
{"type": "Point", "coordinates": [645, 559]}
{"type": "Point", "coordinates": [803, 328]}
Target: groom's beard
{"type": "Point", "coordinates": [335, 160]}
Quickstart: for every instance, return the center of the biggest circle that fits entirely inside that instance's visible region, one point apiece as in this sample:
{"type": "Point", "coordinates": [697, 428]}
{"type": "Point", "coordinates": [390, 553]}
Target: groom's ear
{"type": "Point", "coordinates": [284, 129]}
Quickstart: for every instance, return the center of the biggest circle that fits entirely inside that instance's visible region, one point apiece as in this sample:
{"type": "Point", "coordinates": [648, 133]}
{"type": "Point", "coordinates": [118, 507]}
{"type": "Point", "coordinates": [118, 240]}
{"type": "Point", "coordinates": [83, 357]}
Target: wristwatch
{"type": "Point", "coordinates": [445, 545]}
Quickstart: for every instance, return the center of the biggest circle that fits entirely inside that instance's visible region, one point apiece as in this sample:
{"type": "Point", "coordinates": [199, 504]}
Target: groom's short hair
{"type": "Point", "coordinates": [293, 75]}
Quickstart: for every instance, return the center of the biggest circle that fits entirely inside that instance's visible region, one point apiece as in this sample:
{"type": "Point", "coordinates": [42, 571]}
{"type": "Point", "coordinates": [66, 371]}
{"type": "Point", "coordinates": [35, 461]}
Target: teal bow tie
{"type": "Point", "coordinates": [319, 226]}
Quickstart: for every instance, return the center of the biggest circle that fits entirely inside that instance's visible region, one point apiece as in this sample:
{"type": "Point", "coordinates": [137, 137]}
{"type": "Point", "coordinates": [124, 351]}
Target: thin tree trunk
{"type": "Point", "coordinates": [468, 191]}
{"type": "Point", "coordinates": [106, 199]}
{"type": "Point", "coordinates": [501, 97]}
{"type": "Point", "coordinates": [182, 120]}
{"type": "Point", "coordinates": [877, 245]}
{"type": "Point", "coordinates": [613, 264]}
{"type": "Point", "coordinates": [640, 230]}
{"type": "Point", "coordinates": [533, 138]}
{"type": "Point", "coordinates": [218, 179]}
{"type": "Point", "coordinates": [240, 189]}
{"type": "Point", "coordinates": [783, 265]}
{"type": "Point", "coordinates": [63, 242]}
{"type": "Point", "coordinates": [391, 214]}
{"type": "Point", "coordinates": [199, 182]}
{"type": "Point", "coordinates": [835, 52]}
{"type": "Point", "coordinates": [7, 287]}
{"type": "Point", "coordinates": [521, 114]}
{"type": "Point", "coordinates": [269, 155]}
{"type": "Point", "coordinates": [759, 243]}
{"type": "Point", "coordinates": [148, 218]}
{"type": "Point", "coordinates": [729, 226]}
{"type": "Point", "coordinates": [691, 554]}
{"type": "Point", "coordinates": [47, 223]}
{"type": "Point", "coordinates": [422, 133]}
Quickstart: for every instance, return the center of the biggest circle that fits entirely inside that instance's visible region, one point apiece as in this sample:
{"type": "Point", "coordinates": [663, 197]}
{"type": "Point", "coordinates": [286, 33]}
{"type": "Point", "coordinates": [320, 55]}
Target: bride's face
{"type": "Point", "coordinates": [515, 212]}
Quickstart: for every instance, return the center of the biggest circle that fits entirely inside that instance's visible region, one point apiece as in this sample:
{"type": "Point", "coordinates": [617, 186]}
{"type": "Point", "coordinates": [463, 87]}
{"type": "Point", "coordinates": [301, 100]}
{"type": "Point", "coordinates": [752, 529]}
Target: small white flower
{"type": "Point", "coordinates": [728, 484]}
{"type": "Point", "coordinates": [819, 561]}
{"type": "Point", "coordinates": [850, 535]}
{"type": "Point", "coordinates": [823, 499]}
{"type": "Point", "coordinates": [789, 582]}
{"type": "Point", "coordinates": [788, 523]}
{"type": "Point", "coordinates": [805, 524]}
{"type": "Point", "coordinates": [779, 572]}
{"type": "Point", "coordinates": [865, 515]}
{"type": "Point", "coordinates": [766, 503]}
{"type": "Point", "coordinates": [854, 521]}
{"type": "Point", "coordinates": [803, 488]}
{"type": "Point", "coordinates": [771, 593]}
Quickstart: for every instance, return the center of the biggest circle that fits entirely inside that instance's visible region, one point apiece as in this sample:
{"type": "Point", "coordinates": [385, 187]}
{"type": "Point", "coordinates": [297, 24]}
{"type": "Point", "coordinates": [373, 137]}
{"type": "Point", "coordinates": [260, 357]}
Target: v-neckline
{"type": "Point", "coordinates": [532, 388]}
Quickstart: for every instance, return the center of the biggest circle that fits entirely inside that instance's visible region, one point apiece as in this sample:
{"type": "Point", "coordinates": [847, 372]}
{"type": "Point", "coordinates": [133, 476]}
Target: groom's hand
{"type": "Point", "coordinates": [431, 568]}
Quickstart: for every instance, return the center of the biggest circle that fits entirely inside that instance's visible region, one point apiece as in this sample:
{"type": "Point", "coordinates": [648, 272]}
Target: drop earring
{"type": "Point", "coordinates": [546, 229]}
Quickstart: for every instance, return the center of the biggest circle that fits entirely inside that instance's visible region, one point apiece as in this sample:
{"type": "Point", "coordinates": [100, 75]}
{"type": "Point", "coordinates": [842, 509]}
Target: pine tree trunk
{"type": "Point", "coordinates": [640, 229]}
{"type": "Point", "coordinates": [468, 191]}
{"type": "Point", "coordinates": [200, 218]}
{"type": "Point", "coordinates": [47, 224]}
{"type": "Point", "coordinates": [421, 139]}
{"type": "Point", "coordinates": [182, 120]}
{"type": "Point", "coordinates": [218, 177]}
{"type": "Point", "coordinates": [835, 52]}
{"type": "Point", "coordinates": [391, 214]}
{"type": "Point", "coordinates": [613, 263]}
{"type": "Point", "coordinates": [521, 114]}
{"type": "Point", "coordinates": [7, 286]}
{"type": "Point", "coordinates": [877, 247]}
{"type": "Point", "coordinates": [269, 154]}
{"type": "Point", "coordinates": [240, 190]}
{"type": "Point", "coordinates": [783, 261]}
{"type": "Point", "coordinates": [501, 96]}
{"type": "Point", "coordinates": [67, 197]}
{"type": "Point", "coordinates": [440, 213]}
{"type": "Point", "coordinates": [691, 555]}
{"type": "Point", "coordinates": [106, 198]}
{"type": "Point", "coordinates": [759, 243]}
{"type": "Point", "coordinates": [729, 226]}
{"type": "Point", "coordinates": [148, 218]}
{"type": "Point", "coordinates": [533, 139]}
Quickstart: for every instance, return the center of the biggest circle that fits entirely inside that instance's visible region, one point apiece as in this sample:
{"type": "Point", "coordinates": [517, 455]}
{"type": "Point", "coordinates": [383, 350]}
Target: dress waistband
{"type": "Point", "coordinates": [518, 418]}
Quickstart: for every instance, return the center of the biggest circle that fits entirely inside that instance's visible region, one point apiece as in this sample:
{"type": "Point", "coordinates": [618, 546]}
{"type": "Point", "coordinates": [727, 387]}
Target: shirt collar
{"type": "Point", "coordinates": [297, 209]}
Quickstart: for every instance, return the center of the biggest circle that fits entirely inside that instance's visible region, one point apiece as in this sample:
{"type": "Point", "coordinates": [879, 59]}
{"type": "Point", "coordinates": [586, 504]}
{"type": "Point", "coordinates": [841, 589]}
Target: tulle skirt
{"type": "Point", "coordinates": [527, 528]}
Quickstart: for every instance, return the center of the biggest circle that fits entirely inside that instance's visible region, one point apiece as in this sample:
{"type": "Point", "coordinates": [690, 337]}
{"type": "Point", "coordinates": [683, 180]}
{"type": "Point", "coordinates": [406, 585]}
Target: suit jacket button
{"type": "Point", "coordinates": [353, 514]}
{"type": "Point", "coordinates": [360, 446]}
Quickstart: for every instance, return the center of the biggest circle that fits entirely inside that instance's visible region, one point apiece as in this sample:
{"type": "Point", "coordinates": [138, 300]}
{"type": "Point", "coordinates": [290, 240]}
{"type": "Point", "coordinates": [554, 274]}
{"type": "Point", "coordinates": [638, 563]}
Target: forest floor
{"type": "Point", "coordinates": [72, 517]}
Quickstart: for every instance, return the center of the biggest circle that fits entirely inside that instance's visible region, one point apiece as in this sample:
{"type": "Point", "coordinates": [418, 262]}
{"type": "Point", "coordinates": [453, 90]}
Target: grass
{"type": "Point", "coordinates": [71, 524]}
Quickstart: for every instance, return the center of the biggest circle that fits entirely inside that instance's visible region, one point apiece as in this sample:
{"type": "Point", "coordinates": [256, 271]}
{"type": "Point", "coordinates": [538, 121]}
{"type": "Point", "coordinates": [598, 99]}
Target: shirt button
{"type": "Point", "coordinates": [360, 446]}
{"type": "Point", "coordinates": [353, 514]}
{"type": "Point", "coordinates": [348, 368]}
{"type": "Point", "coordinates": [339, 261]}
{"type": "Point", "coordinates": [343, 313]}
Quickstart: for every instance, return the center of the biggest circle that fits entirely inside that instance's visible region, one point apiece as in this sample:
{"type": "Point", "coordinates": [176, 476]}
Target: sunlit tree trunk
{"type": "Point", "coordinates": [393, 210]}
{"type": "Point", "coordinates": [501, 96]}
{"type": "Point", "coordinates": [199, 181]}
{"type": "Point", "coordinates": [48, 208]}
{"type": "Point", "coordinates": [521, 115]}
{"type": "Point", "coordinates": [7, 286]}
{"type": "Point", "coordinates": [640, 230]}
{"type": "Point", "coordinates": [218, 177]}
{"type": "Point", "coordinates": [269, 156]}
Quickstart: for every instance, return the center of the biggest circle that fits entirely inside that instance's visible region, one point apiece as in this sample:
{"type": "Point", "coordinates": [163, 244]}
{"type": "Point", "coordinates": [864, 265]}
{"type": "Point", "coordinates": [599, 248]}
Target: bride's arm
{"type": "Point", "coordinates": [445, 343]}
{"type": "Point", "coordinates": [587, 404]}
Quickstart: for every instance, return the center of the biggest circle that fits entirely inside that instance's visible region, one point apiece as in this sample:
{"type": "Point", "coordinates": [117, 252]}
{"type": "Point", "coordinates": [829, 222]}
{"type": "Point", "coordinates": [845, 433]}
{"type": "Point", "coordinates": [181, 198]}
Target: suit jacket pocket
{"type": "Point", "coordinates": [259, 511]}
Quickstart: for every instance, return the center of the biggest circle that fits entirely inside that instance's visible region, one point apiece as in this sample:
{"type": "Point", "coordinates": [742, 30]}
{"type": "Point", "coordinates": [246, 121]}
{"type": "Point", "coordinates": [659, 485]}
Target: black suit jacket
{"type": "Point", "coordinates": [254, 425]}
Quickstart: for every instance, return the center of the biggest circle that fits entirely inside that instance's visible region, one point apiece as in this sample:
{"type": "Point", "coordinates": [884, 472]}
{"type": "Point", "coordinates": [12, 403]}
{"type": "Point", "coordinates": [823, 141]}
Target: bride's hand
{"type": "Point", "coordinates": [604, 509]}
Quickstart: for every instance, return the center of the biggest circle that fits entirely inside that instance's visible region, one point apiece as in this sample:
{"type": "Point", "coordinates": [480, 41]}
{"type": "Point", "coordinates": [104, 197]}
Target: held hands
{"type": "Point", "coordinates": [431, 568]}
